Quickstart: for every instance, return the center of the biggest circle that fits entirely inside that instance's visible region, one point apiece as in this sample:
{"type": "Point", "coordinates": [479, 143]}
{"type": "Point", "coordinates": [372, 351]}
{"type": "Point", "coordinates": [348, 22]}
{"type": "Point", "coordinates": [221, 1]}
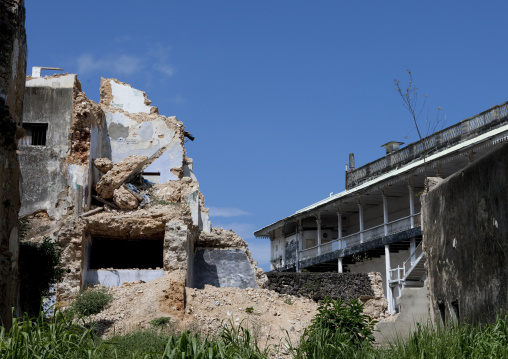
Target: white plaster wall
{"type": "Point", "coordinates": [115, 278]}
{"type": "Point", "coordinates": [66, 81]}
{"type": "Point", "coordinates": [128, 98]}
{"type": "Point", "coordinates": [128, 137]}
{"type": "Point", "coordinates": [193, 202]}
{"type": "Point", "coordinates": [204, 222]}
{"type": "Point", "coordinates": [171, 158]}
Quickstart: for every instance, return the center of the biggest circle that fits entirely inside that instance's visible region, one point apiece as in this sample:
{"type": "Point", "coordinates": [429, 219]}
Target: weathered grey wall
{"type": "Point", "coordinates": [465, 227]}
{"type": "Point", "coordinates": [222, 268]}
{"type": "Point", "coordinates": [345, 286]}
{"type": "Point", "coordinates": [54, 107]}
{"type": "Point", "coordinates": [12, 84]}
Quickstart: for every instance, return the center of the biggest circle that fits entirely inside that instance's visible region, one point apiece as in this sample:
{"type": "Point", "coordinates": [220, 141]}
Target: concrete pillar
{"type": "Point", "coordinates": [360, 219]}
{"type": "Point", "coordinates": [301, 235]}
{"type": "Point", "coordinates": [342, 244]}
{"type": "Point", "coordinates": [389, 293]}
{"type": "Point", "coordinates": [412, 204]}
{"type": "Point", "coordinates": [297, 267]}
{"type": "Point", "coordinates": [385, 214]}
{"type": "Point", "coordinates": [412, 247]}
{"type": "Point", "coordinates": [339, 262]}
{"type": "Point", "coordinates": [318, 221]}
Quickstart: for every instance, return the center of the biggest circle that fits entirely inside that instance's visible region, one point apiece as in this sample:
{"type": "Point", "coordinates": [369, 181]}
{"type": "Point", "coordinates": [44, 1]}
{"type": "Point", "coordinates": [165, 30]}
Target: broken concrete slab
{"type": "Point", "coordinates": [120, 173]}
{"type": "Point", "coordinates": [124, 199]}
{"type": "Point", "coordinates": [103, 164]}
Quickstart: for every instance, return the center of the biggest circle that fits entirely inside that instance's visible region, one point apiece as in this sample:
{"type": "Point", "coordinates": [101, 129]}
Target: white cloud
{"type": "Point", "coordinates": [123, 64]}
{"type": "Point", "coordinates": [177, 100]}
{"type": "Point", "coordinates": [166, 69]}
{"type": "Point", "coordinates": [227, 212]}
{"type": "Point", "coordinates": [155, 58]}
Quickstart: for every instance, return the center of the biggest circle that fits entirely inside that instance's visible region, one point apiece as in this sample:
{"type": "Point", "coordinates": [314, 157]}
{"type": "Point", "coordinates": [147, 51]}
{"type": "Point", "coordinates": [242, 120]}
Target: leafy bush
{"type": "Point", "coordinates": [337, 330]}
{"type": "Point", "coordinates": [91, 301]}
{"type": "Point", "coordinates": [39, 270]}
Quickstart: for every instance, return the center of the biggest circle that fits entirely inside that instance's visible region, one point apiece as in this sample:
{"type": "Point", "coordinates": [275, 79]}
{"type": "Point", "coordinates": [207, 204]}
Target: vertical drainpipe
{"type": "Point", "coordinates": [389, 293]}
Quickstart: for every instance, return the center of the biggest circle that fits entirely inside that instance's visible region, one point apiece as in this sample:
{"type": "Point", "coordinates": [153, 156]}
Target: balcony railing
{"type": "Point", "coordinates": [398, 275]}
{"type": "Point", "coordinates": [440, 139]}
{"type": "Point", "coordinates": [366, 235]}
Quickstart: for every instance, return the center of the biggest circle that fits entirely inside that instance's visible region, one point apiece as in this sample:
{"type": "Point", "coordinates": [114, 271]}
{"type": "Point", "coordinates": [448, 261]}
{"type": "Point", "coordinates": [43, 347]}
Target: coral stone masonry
{"type": "Point", "coordinates": [119, 194]}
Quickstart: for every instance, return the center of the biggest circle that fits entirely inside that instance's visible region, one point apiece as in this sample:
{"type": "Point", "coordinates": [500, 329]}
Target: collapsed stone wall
{"type": "Point", "coordinates": [465, 226]}
{"type": "Point", "coordinates": [13, 54]}
{"type": "Point", "coordinates": [124, 175]}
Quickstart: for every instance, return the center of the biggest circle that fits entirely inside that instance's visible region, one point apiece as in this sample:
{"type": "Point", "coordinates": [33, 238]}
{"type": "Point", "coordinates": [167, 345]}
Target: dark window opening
{"type": "Point", "coordinates": [455, 306]}
{"type": "Point", "coordinates": [441, 306]}
{"type": "Point", "coordinates": [35, 134]}
{"type": "Point", "coordinates": [126, 253]}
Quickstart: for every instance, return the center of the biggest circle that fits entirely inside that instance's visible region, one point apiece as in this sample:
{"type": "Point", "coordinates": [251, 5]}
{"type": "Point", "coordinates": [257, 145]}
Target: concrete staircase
{"type": "Point", "coordinates": [412, 273]}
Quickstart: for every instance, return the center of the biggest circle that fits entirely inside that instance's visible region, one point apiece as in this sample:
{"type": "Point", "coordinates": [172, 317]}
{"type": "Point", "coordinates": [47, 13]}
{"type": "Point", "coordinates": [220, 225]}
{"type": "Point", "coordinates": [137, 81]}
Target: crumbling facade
{"type": "Point", "coordinates": [119, 193]}
{"type": "Point", "coordinates": [13, 54]}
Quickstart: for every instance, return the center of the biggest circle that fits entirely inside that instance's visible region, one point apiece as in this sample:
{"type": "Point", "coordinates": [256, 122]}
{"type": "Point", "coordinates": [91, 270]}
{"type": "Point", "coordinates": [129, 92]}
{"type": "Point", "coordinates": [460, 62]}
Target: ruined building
{"type": "Point", "coordinates": [375, 224]}
{"type": "Point", "coordinates": [111, 182]}
{"type": "Point", "coordinates": [13, 54]}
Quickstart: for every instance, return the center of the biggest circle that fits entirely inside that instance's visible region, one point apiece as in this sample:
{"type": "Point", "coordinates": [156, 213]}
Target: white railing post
{"type": "Point", "coordinates": [339, 263]}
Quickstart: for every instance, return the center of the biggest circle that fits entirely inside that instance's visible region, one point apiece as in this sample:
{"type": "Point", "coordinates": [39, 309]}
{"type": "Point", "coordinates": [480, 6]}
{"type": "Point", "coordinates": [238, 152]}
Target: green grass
{"type": "Point", "coordinates": [62, 337]}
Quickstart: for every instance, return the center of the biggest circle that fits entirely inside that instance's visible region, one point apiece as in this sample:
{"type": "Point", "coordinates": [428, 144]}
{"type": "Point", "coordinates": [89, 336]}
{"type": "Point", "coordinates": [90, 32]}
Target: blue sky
{"type": "Point", "coordinates": [278, 93]}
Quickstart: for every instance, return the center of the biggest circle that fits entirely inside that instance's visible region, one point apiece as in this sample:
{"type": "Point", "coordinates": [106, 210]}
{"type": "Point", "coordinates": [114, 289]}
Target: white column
{"type": "Point", "coordinates": [385, 214]}
{"type": "Point", "coordinates": [339, 262]}
{"type": "Point", "coordinates": [300, 235]}
{"type": "Point", "coordinates": [412, 247]}
{"type": "Point", "coordinates": [360, 218]}
{"type": "Point", "coordinates": [318, 221]}
{"type": "Point", "coordinates": [412, 204]}
{"type": "Point", "coordinates": [388, 287]}
{"type": "Point", "coordinates": [342, 244]}
{"type": "Point", "coordinates": [297, 267]}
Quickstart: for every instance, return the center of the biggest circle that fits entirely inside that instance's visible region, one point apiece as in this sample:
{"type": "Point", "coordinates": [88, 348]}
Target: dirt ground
{"type": "Point", "coordinates": [272, 315]}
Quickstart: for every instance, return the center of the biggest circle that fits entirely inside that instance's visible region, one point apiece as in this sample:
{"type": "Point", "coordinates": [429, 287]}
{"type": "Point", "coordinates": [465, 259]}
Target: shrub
{"type": "Point", "coordinates": [337, 330]}
{"type": "Point", "coordinates": [39, 270]}
{"type": "Point", "coordinates": [159, 322]}
{"type": "Point", "coordinates": [91, 301]}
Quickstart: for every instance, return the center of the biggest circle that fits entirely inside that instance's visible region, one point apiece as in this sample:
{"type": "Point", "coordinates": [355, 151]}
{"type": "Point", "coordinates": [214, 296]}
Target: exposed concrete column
{"type": "Point", "coordinates": [385, 214]}
{"type": "Point", "coordinates": [389, 293]}
{"type": "Point", "coordinates": [339, 262]}
{"type": "Point", "coordinates": [360, 219]}
{"type": "Point", "coordinates": [318, 221]}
